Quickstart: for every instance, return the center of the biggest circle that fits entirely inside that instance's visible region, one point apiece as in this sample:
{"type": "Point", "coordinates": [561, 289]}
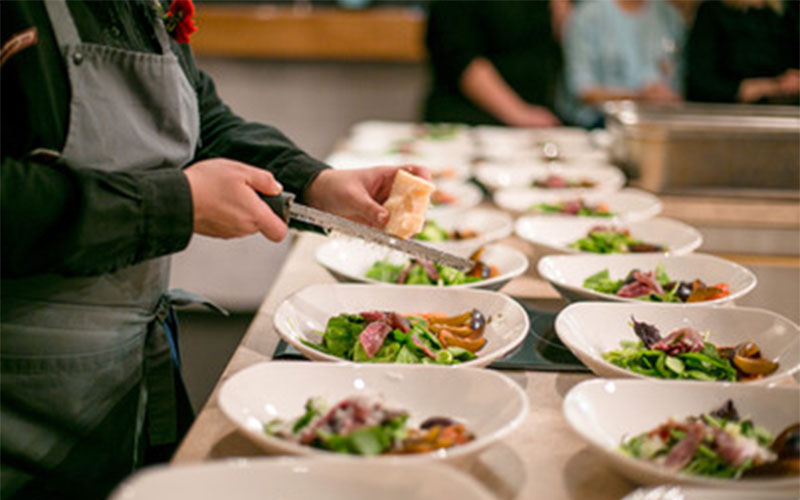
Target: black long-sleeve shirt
{"type": "Point", "coordinates": [729, 44]}
{"type": "Point", "coordinates": [77, 221]}
{"type": "Point", "coordinates": [516, 36]}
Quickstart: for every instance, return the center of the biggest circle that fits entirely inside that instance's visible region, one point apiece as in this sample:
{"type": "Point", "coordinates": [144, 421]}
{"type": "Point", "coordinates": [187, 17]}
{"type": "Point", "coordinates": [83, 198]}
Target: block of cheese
{"type": "Point", "coordinates": [407, 204]}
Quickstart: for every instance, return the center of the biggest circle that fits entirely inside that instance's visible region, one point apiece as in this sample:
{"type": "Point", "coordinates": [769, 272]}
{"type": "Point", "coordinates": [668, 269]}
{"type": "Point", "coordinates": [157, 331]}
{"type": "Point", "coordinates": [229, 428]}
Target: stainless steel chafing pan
{"type": "Point", "coordinates": [719, 148]}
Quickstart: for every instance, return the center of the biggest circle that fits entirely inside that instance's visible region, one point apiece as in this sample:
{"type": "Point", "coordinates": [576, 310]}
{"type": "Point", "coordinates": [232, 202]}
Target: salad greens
{"type": "Point", "coordinates": [705, 365]}
{"type": "Point", "coordinates": [433, 232]}
{"type": "Point", "coordinates": [362, 426]}
{"type": "Point", "coordinates": [655, 286]}
{"type": "Point", "coordinates": [685, 353]}
{"type": "Point", "coordinates": [343, 338]}
{"type": "Point", "coordinates": [385, 271]}
{"type": "Point", "coordinates": [715, 444]}
{"type": "Point", "coordinates": [572, 207]}
{"type": "Point", "coordinates": [610, 240]}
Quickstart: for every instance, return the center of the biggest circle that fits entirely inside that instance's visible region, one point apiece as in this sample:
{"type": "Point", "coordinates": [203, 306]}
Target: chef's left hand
{"type": "Point", "coordinates": [357, 194]}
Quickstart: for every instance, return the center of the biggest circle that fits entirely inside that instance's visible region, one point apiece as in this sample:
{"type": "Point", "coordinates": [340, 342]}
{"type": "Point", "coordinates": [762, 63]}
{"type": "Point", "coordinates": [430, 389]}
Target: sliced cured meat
{"type": "Point", "coordinates": [372, 337]}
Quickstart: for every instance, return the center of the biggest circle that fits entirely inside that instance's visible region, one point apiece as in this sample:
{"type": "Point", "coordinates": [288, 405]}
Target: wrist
{"type": "Point", "coordinates": [314, 194]}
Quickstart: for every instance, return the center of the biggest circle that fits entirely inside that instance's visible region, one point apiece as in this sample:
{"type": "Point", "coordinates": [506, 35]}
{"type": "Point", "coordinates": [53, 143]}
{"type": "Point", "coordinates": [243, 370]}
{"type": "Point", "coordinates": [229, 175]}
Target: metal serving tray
{"type": "Point", "coordinates": [708, 148]}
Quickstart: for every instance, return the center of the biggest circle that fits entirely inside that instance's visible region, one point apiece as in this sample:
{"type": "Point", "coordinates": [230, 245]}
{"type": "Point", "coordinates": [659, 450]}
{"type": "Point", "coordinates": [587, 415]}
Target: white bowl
{"type": "Point", "coordinates": [673, 492]}
{"type": "Point", "coordinates": [628, 204]}
{"type": "Point", "coordinates": [590, 329]}
{"type": "Point", "coordinates": [348, 260]}
{"type": "Point", "coordinates": [555, 234]}
{"type": "Point", "coordinates": [453, 167]}
{"type": "Point", "coordinates": [382, 137]}
{"type": "Point", "coordinates": [490, 404]}
{"type": "Point", "coordinates": [467, 195]}
{"type": "Point", "coordinates": [500, 176]}
{"type": "Point", "coordinates": [567, 273]}
{"type": "Point", "coordinates": [604, 412]}
{"type": "Point", "coordinates": [490, 225]}
{"type": "Point", "coordinates": [298, 479]}
{"type": "Point", "coordinates": [306, 312]}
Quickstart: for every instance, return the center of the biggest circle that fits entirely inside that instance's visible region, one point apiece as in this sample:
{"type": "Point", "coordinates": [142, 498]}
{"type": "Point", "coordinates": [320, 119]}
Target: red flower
{"type": "Point", "coordinates": [178, 20]}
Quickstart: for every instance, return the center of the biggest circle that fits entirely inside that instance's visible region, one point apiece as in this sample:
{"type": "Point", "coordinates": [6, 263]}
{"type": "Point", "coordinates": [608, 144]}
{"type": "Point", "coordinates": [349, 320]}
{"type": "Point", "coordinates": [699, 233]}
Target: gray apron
{"type": "Point", "coordinates": [85, 365]}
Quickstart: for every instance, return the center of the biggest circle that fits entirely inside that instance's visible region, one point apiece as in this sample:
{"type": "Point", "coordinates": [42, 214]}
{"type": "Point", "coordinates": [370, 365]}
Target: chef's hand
{"type": "Point", "coordinates": [357, 194]}
{"type": "Point", "coordinates": [225, 201]}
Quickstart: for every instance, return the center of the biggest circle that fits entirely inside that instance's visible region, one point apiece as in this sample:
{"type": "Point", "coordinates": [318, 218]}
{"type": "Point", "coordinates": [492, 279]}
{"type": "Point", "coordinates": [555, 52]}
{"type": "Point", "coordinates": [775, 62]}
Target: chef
{"type": "Point", "coordinates": [115, 150]}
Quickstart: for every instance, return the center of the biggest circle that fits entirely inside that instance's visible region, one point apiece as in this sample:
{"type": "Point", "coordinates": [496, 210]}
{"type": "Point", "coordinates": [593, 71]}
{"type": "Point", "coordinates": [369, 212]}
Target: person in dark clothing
{"type": "Point", "coordinates": [494, 62]}
{"type": "Point", "coordinates": [115, 150]}
{"type": "Point", "coordinates": [745, 51]}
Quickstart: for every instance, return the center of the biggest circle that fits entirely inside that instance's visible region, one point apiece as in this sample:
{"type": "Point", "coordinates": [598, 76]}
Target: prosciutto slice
{"type": "Point", "coordinates": [372, 337]}
{"type": "Point", "coordinates": [682, 340]}
{"type": "Point", "coordinates": [684, 450]}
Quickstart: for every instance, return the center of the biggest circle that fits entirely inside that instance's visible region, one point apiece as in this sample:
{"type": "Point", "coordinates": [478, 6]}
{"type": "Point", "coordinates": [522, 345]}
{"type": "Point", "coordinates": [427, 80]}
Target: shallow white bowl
{"type": "Point", "coordinates": [382, 137]}
{"type": "Point", "coordinates": [298, 479]}
{"type": "Point", "coordinates": [604, 411]}
{"type": "Point", "coordinates": [467, 195]}
{"type": "Point", "coordinates": [307, 311]}
{"type": "Point", "coordinates": [490, 404]}
{"type": "Point", "coordinates": [674, 492]}
{"type": "Point", "coordinates": [555, 234]}
{"type": "Point", "coordinates": [590, 329]}
{"type": "Point", "coordinates": [349, 259]}
{"type": "Point", "coordinates": [495, 175]}
{"type": "Point", "coordinates": [452, 167]}
{"type": "Point", "coordinates": [628, 204]}
{"type": "Point", "coordinates": [568, 272]}
{"type": "Point", "coordinates": [490, 225]}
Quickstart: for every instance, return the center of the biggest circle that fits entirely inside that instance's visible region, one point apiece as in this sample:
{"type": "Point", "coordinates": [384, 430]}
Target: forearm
{"type": "Point", "coordinates": [483, 84]}
{"type": "Point", "coordinates": [84, 222]}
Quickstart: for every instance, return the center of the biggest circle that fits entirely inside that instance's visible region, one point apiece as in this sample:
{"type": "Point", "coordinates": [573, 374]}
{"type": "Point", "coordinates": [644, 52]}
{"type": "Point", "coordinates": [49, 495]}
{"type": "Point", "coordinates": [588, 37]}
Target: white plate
{"type": "Point", "coordinates": [349, 259]}
{"type": "Point", "coordinates": [298, 479]}
{"type": "Point", "coordinates": [467, 196]}
{"type": "Point", "coordinates": [568, 272]}
{"type": "Point", "coordinates": [628, 204]}
{"type": "Point", "coordinates": [603, 412]}
{"type": "Point", "coordinates": [555, 234]}
{"type": "Point", "coordinates": [453, 167]}
{"type": "Point", "coordinates": [590, 329]}
{"type": "Point", "coordinates": [490, 404]}
{"type": "Point", "coordinates": [490, 225]}
{"type": "Point", "coordinates": [500, 176]}
{"type": "Point", "coordinates": [307, 311]}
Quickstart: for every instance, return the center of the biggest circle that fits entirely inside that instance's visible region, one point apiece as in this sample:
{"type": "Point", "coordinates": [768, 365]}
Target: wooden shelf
{"type": "Point", "coordinates": [310, 33]}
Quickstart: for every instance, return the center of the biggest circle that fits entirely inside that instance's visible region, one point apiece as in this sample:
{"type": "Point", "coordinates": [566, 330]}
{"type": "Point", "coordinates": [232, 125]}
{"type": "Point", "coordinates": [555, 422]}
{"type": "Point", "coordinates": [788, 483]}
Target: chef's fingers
{"type": "Point", "coordinates": [366, 210]}
{"type": "Point", "coordinates": [263, 182]}
{"type": "Point", "coordinates": [267, 222]}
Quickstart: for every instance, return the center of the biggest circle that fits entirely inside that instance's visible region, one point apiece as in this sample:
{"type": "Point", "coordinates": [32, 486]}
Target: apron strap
{"type": "Point", "coordinates": [63, 25]}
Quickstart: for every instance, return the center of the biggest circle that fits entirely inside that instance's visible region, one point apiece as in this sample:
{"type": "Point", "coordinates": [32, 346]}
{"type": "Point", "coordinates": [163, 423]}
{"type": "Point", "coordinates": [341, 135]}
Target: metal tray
{"type": "Point", "coordinates": [745, 150]}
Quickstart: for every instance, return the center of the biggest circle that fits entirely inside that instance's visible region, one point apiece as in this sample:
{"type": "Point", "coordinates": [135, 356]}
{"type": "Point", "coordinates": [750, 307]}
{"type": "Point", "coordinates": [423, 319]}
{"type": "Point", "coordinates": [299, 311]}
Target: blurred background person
{"type": "Point", "coordinates": [494, 62]}
{"type": "Point", "coordinates": [620, 49]}
{"type": "Point", "coordinates": [744, 51]}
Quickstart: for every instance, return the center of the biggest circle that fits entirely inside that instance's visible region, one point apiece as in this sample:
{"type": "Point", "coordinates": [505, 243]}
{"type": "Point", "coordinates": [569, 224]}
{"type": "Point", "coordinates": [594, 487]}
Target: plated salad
{"type": "Point", "coordinates": [364, 426]}
{"type": "Point", "coordinates": [685, 353]}
{"type": "Point", "coordinates": [717, 444]}
{"type": "Point", "coordinates": [573, 207]}
{"type": "Point", "coordinates": [390, 337]}
{"type": "Point", "coordinates": [610, 239]}
{"type": "Point", "coordinates": [423, 272]}
{"type": "Point", "coordinates": [435, 233]}
{"type": "Point", "coordinates": [555, 181]}
{"type": "Point", "coordinates": [655, 286]}
{"type": "Point", "coordinates": [442, 198]}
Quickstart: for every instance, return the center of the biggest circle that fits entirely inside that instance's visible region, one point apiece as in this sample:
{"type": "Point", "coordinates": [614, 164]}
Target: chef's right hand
{"type": "Point", "coordinates": [225, 201]}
